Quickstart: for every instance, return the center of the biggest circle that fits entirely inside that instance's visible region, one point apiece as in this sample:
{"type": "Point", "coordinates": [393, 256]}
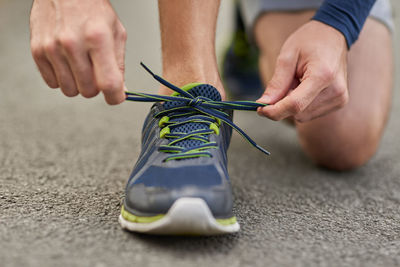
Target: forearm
{"type": "Point", "coordinates": [347, 16]}
{"type": "Point", "coordinates": [188, 41]}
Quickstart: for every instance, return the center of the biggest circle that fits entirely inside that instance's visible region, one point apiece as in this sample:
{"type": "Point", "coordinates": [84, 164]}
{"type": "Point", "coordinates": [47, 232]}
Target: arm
{"type": "Point", "coordinates": [310, 78]}
{"type": "Point", "coordinates": [79, 45]}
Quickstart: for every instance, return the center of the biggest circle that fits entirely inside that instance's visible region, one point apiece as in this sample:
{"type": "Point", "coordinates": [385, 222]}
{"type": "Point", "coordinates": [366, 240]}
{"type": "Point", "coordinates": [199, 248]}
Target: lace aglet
{"type": "Point", "coordinates": [147, 69]}
{"type": "Point", "coordinates": [263, 150]}
{"type": "Point", "coordinates": [166, 83]}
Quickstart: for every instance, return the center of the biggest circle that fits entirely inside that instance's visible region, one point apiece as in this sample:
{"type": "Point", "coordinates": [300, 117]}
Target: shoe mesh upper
{"type": "Point", "coordinates": [204, 90]}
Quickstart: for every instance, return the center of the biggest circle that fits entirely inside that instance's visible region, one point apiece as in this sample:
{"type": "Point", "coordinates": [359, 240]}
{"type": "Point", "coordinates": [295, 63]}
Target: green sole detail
{"type": "Point", "coordinates": [139, 219]}
{"type": "Point", "coordinates": [228, 221]}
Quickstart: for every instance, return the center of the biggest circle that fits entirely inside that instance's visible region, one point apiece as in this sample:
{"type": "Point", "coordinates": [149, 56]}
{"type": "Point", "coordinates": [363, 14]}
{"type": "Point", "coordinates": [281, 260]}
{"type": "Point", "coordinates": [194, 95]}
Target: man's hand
{"type": "Point", "coordinates": [310, 78]}
{"type": "Point", "coordinates": [79, 46]}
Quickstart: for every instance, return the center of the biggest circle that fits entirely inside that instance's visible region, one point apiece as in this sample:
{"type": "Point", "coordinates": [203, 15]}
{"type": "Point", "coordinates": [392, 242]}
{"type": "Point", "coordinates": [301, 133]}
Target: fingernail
{"type": "Point", "coordinates": [264, 99]}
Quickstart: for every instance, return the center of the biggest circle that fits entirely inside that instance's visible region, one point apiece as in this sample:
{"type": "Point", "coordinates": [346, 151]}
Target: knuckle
{"type": "Point", "coordinates": [341, 93]}
{"type": "Point", "coordinates": [326, 74]}
{"type": "Point", "coordinates": [344, 99]}
{"type": "Point", "coordinates": [110, 85]}
{"type": "Point", "coordinates": [68, 41]}
{"type": "Point", "coordinates": [283, 60]}
{"type": "Point", "coordinates": [50, 47]}
{"type": "Point", "coordinates": [95, 34]}
{"type": "Point", "coordinates": [123, 34]}
{"type": "Point", "coordinates": [338, 91]}
{"type": "Point", "coordinates": [37, 52]}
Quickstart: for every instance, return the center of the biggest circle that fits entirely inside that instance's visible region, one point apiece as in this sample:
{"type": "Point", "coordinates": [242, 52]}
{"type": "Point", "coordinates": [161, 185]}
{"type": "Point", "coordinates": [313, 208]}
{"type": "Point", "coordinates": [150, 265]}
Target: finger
{"type": "Point", "coordinates": [82, 70]}
{"type": "Point", "coordinates": [107, 74]}
{"type": "Point", "coordinates": [321, 111]}
{"type": "Point", "coordinates": [48, 74]}
{"type": "Point", "coordinates": [295, 102]}
{"type": "Point", "coordinates": [329, 100]}
{"type": "Point", "coordinates": [63, 73]}
{"type": "Point", "coordinates": [44, 66]}
{"type": "Point", "coordinates": [282, 79]}
{"type": "Point", "coordinates": [120, 42]}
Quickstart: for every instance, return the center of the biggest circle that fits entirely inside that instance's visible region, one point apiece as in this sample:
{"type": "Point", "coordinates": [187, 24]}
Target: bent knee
{"type": "Point", "coordinates": [340, 152]}
{"type": "Point", "coordinates": [343, 161]}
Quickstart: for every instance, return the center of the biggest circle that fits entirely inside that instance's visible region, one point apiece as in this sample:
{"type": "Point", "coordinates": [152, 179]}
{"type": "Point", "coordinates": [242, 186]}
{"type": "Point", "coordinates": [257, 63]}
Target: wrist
{"type": "Point", "coordinates": [348, 17]}
{"type": "Point", "coordinates": [330, 33]}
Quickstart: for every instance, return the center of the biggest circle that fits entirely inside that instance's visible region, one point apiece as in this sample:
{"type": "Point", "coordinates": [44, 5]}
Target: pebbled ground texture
{"type": "Point", "coordinates": [64, 163]}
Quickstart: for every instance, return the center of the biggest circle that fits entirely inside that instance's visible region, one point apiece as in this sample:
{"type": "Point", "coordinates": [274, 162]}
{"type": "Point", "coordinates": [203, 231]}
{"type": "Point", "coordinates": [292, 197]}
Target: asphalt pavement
{"type": "Point", "coordinates": [64, 164]}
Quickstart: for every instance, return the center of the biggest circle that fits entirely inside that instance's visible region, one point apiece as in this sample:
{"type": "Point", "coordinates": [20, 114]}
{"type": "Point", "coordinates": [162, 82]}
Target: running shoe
{"type": "Point", "coordinates": [180, 183]}
{"type": "Point", "coordinates": [240, 64]}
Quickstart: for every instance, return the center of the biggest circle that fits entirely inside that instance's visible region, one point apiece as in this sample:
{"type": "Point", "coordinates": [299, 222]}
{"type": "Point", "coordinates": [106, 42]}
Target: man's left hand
{"type": "Point", "coordinates": [310, 78]}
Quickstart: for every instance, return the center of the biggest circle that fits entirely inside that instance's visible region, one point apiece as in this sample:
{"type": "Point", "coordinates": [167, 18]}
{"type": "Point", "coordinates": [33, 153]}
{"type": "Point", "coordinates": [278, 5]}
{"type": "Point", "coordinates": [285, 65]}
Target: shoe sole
{"type": "Point", "coordinates": [187, 216]}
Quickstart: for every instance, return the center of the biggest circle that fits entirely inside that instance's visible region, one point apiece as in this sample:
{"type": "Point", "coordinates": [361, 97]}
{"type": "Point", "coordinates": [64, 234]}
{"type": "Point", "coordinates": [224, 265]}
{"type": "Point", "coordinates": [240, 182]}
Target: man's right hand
{"type": "Point", "coordinates": [79, 46]}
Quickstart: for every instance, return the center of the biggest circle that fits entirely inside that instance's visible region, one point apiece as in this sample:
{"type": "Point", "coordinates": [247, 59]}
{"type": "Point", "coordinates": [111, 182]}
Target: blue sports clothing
{"type": "Point", "coordinates": [347, 16]}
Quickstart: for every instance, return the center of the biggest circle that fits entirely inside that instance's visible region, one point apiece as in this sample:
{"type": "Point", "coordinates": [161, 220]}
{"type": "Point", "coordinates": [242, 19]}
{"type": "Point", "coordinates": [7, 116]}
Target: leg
{"type": "Point", "coordinates": [349, 137]}
{"type": "Point", "coordinates": [188, 42]}
{"type": "Point", "coordinates": [165, 194]}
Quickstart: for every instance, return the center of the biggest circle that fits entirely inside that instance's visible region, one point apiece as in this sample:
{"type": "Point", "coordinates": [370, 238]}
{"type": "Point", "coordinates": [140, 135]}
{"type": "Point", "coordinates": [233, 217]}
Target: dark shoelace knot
{"type": "Point", "coordinates": [193, 109]}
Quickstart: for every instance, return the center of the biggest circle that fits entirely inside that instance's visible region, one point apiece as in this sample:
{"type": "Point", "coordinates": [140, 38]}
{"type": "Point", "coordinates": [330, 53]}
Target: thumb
{"type": "Point", "coordinates": [282, 79]}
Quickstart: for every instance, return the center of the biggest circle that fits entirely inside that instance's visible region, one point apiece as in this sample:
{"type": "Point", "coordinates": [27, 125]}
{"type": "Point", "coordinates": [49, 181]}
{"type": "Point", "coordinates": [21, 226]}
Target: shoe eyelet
{"type": "Point", "coordinates": [164, 131]}
{"type": "Point", "coordinates": [163, 120]}
{"type": "Point", "coordinates": [215, 128]}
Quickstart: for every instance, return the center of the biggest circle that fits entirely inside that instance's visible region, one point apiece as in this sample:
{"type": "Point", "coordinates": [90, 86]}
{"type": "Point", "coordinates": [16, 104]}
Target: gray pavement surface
{"type": "Point", "coordinates": [64, 163]}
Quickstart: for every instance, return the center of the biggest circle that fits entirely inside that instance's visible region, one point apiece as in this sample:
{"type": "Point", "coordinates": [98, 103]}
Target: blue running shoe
{"type": "Point", "coordinates": [180, 183]}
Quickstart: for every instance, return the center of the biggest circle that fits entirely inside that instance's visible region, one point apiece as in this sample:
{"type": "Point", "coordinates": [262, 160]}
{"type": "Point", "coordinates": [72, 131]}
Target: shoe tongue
{"type": "Point", "coordinates": [195, 90]}
{"type": "Point", "coordinates": [205, 90]}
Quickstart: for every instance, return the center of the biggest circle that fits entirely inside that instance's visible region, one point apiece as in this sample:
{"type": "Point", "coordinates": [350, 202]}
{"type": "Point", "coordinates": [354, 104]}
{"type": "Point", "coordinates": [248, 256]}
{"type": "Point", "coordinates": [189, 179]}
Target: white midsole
{"type": "Point", "coordinates": [186, 216]}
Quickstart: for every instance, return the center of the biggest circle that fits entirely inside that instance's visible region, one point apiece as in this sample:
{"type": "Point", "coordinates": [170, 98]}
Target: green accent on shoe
{"type": "Point", "coordinates": [228, 221]}
{"type": "Point", "coordinates": [142, 219]}
{"type": "Point", "coordinates": [186, 155]}
{"type": "Point", "coordinates": [139, 219]}
{"type": "Point", "coordinates": [214, 127]}
{"type": "Point", "coordinates": [163, 120]}
{"type": "Point", "coordinates": [164, 131]}
{"type": "Point", "coordinates": [186, 88]}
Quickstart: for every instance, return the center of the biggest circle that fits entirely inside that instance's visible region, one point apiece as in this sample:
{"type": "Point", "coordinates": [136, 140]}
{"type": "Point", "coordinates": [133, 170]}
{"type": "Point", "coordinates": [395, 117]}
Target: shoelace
{"type": "Point", "coordinates": [193, 109]}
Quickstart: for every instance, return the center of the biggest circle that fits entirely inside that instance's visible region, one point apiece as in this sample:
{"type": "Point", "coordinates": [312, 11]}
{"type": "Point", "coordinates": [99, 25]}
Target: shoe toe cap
{"type": "Point", "coordinates": [148, 201]}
